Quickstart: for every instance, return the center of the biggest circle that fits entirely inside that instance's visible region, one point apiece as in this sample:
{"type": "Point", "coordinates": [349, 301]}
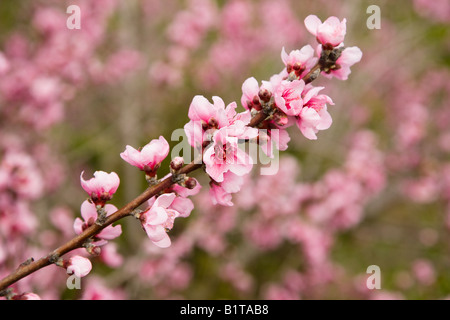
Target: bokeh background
{"type": "Point", "coordinates": [374, 189]}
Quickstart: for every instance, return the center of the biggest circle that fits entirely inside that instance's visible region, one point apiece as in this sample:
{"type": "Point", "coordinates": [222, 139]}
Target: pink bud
{"type": "Point", "coordinates": [177, 163]}
{"type": "Point", "coordinates": [78, 265]}
{"type": "Point", "coordinates": [102, 187]}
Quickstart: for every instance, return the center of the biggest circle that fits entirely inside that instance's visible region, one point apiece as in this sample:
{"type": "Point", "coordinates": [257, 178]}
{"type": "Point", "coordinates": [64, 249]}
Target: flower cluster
{"type": "Point", "coordinates": [287, 98]}
{"type": "Point", "coordinates": [219, 132]}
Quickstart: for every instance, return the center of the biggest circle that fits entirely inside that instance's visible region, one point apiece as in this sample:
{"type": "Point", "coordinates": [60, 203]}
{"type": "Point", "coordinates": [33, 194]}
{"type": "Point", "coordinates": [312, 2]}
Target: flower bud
{"type": "Point", "coordinates": [190, 183]}
{"type": "Point", "coordinates": [177, 163]}
{"type": "Point", "coordinates": [265, 95]}
{"type": "Point", "coordinates": [77, 265]}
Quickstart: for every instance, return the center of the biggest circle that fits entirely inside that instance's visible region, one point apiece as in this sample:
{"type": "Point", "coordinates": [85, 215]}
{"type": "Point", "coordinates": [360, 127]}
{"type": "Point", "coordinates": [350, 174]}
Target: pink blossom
{"type": "Point", "coordinates": [424, 271]}
{"type": "Point", "coordinates": [206, 118]}
{"type": "Point", "coordinates": [48, 20]}
{"type": "Point", "coordinates": [330, 32]}
{"type": "Point", "coordinates": [219, 195]}
{"type": "Point", "coordinates": [221, 192]}
{"type": "Point", "coordinates": [250, 90]}
{"type": "Point", "coordinates": [278, 292]}
{"type": "Point", "coordinates": [79, 266]}
{"type": "Point", "coordinates": [182, 206]}
{"type": "Point", "coordinates": [110, 256]}
{"type": "Point", "coordinates": [438, 10]}
{"type": "Point", "coordinates": [96, 289]}
{"type": "Point", "coordinates": [273, 138]}
{"type": "Point", "coordinates": [102, 187]}
{"type": "Point", "coordinates": [164, 73]}
{"type": "Point", "coordinates": [62, 219]}
{"type": "Point", "coordinates": [150, 157]}
{"type": "Point", "coordinates": [120, 64]}
{"type": "Point", "coordinates": [225, 155]}
{"type": "Point", "coordinates": [19, 173]}
{"type": "Point", "coordinates": [156, 217]}
{"type": "Point", "coordinates": [310, 121]}
{"type": "Point", "coordinates": [203, 110]}
{"type": "Point", "coordinates": [288, 96]}
{"type": "Point", "coordinates": [348, 58]}
{"type": "Point", "coordinates": [314, 116]}
{"type": "Point", "coordinates": [90, 215]}
{"type": "Point", "coordinates": [189, 26]}
{"type": "Point", "coordinates": [300, 61]}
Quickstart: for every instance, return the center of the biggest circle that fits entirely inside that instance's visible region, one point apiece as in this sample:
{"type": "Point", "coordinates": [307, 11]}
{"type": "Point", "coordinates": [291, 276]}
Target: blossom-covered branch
{"type": "Point", "coordinates": [216, 131]}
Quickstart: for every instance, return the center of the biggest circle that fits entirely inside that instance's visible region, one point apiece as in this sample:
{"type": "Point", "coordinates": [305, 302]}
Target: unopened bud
{"type": "Point", "coordinates": [256, 101]}
{"type": "Point", "coordinates": [190, 183]}
{"type": "Point", "coordinates": [265, 95]}
{"type": "Point", "coordinates": [177, 163]}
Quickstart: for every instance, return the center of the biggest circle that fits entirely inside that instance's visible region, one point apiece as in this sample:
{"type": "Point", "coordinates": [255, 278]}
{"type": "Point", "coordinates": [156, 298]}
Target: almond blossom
{"type": "Point", "coordinates": [329, 33]}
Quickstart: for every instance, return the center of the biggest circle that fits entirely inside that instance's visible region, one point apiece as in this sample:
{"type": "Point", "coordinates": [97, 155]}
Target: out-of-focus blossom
{"type": "Point", "coordinates": [27, 296]}
{"type": "Point", "coordinates": [96, 289]}
{"type": "Point", "coordinates": [110, 255]}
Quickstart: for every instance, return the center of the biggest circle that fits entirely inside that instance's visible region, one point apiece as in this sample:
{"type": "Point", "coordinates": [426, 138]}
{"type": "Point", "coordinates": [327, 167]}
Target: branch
{"type": "Point", "coordinates": [77, 242]}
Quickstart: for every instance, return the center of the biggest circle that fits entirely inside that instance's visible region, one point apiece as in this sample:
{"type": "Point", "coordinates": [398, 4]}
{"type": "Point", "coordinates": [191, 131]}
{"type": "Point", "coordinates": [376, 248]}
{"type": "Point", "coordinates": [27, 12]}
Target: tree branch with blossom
{"type": "Point", "coordinates": [215, 130]}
